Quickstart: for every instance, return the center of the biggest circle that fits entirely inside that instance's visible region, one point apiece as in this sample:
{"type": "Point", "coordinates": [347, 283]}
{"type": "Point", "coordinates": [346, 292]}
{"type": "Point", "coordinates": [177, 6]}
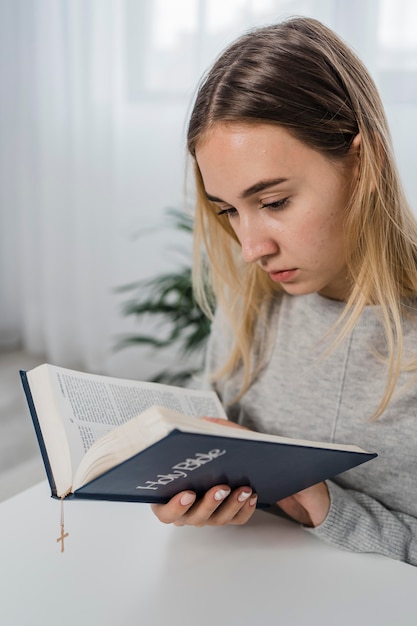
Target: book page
{"type": "Point", "coordinates": [92, 405]}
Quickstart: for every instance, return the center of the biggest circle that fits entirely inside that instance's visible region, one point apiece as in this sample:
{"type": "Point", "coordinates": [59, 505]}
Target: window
{"type": "Point", "coordinates": [170, 44]}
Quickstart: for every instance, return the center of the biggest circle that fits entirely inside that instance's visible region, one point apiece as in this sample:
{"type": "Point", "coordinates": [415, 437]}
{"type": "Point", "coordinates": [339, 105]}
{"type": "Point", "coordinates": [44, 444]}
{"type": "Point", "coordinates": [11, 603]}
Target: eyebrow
{"type": "Point", "coordinates": [255, 188]}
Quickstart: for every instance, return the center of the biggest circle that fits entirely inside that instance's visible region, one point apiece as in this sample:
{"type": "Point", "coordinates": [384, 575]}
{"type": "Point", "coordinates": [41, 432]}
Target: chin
{"type": "Point", "coordinates": [298, 290]}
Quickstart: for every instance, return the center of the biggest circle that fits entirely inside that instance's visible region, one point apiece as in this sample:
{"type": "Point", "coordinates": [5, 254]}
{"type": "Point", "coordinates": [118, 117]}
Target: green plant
{"type": "Point", "coordinates": [168, 299]}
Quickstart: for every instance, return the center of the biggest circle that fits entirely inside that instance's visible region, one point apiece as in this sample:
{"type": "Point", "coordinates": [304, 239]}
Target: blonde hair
{"type": "Point", "coordinates": [301, 76]}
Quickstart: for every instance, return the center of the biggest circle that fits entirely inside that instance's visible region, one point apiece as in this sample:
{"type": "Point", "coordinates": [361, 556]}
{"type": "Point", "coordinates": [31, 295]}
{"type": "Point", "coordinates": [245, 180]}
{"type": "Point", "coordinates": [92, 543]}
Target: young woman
{"type": "Point", "coordinates": [305, 240]}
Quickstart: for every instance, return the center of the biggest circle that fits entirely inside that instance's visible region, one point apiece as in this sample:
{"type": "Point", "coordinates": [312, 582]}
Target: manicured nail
{"type": "Point", "coordinates": [187, 498]}
{"type": "Point", "coordinates": [253, 501]}
{"type": "Point", "coordinates": [221, 494]}
{"type": "Point", "coordinates": [243, 496]}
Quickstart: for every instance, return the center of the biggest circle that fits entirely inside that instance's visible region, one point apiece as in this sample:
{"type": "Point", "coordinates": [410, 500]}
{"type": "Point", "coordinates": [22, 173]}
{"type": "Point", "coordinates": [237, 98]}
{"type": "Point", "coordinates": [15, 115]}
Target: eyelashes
{"type": "Point", "coordinates": [228, 212]}
{"type": "Point", "coordinates": [279, 204]}
{"type": "Point", "coordinates": [273, 206]}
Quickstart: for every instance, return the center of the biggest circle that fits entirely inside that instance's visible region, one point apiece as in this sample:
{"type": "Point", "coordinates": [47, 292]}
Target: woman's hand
{"type": "Point", "coordinates": [308, 507]}
{"type": "Point", "coordinates": [219, 505]}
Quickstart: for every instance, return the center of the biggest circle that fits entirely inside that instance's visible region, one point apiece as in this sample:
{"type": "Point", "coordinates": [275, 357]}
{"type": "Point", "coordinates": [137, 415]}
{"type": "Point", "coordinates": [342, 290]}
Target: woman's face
{"type": "Point", "coordinates": [285, 202]}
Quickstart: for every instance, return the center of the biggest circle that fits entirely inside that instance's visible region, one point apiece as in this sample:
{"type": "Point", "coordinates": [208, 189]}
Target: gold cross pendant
{"type": "Point", "coordinates": [63, 535]}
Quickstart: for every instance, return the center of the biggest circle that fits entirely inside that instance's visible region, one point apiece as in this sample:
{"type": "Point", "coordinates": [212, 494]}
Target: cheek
{"type": "Point", "coordinates": [323, 226]}
{"type": "Point", "coordinates": [319, 237]}
{"type": "Point", "coordinates": [310, 231]}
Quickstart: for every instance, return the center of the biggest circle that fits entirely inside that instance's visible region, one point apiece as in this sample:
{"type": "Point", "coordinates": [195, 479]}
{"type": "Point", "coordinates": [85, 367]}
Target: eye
{"type": "Point", "coordinates": [276, 206]}
{"type": "Point", "coordinates": [230, 212]}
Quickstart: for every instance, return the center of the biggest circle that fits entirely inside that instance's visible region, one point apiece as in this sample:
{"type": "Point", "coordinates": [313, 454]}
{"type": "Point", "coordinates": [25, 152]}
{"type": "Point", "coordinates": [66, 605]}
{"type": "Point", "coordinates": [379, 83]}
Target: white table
{"type": "Point", "coordinates": [122, 567]}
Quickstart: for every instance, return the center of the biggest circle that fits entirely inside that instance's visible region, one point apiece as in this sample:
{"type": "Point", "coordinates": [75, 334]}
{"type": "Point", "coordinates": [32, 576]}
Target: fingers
{"type": "Point", "coordinates": [218, 507]}
{"type": "Point", "coordinates": [310, 507]}
{"type": "Point", "coordinates": [223, 422]}
{"type": "Point", "coordinates": [295, 510]}
{"type": "Point", "coordinates": [175, 508]}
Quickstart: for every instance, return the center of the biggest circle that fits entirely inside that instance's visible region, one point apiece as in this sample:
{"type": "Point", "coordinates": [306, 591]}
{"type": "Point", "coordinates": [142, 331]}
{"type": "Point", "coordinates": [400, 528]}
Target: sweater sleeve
{"type": "Point", "coordinates": [359, 523]}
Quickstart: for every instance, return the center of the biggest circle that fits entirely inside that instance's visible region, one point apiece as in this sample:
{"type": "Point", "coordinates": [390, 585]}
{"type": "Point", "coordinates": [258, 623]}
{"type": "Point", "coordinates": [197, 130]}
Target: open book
{"type": "Point", "coordinates": [113, 439]}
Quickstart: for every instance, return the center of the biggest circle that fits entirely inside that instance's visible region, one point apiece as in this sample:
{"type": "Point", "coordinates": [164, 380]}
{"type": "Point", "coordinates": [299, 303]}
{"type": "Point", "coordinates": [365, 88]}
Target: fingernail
{"type": "Point", "coordinates": [221, 494]}
{"type": "Point", "coordinates": [244, 495]}
{"type": "Point", "coordinates": [187, 498]}
{"type": "Point", "coordinates": [253, 501]}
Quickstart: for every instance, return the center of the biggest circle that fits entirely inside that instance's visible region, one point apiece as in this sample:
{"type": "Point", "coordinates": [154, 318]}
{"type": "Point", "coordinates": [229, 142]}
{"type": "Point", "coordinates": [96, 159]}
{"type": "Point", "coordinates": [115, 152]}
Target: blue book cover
{"type": "Point", "coordinates": [182, 458]}
{"type": "Point", "coordinates": [189, 461]}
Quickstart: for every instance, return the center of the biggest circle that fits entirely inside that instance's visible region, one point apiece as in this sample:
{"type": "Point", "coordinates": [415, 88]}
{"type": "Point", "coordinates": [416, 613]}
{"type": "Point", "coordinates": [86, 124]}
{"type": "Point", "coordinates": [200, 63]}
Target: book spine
{"type": "Point", "coordinates": [35, 421]}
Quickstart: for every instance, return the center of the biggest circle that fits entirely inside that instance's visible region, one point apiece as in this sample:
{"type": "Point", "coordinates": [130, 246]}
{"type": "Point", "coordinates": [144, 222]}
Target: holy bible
{"type": "Point", "coordinates": [114, 439]}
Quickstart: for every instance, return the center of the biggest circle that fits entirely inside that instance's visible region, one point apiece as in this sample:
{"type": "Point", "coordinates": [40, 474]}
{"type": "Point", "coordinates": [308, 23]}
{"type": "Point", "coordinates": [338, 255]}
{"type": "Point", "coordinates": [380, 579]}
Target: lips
{"type": "Point", "coordinates": [283, 276]}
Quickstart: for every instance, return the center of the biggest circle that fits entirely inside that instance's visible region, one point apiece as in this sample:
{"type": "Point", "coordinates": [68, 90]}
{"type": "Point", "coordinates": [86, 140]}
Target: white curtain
{"type": "Point", "coordinates": [94, 96]}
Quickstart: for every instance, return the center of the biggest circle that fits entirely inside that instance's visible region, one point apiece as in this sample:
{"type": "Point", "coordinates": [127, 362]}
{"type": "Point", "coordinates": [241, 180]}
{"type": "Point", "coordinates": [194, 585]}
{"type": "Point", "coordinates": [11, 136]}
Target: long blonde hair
{"type": "Point", "coordinates": [301, 76]}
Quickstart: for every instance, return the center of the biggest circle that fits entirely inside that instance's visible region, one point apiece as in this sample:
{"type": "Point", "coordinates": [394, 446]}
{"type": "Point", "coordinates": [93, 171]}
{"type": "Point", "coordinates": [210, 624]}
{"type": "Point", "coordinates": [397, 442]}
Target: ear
{"type": "Point", "coordinates": [355, 153]}
{"type": "Point", "coordinates": [355, 146]}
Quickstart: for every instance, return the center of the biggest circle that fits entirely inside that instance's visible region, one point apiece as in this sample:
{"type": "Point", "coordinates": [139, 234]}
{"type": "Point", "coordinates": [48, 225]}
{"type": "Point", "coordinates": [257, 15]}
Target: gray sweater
{"type": "Point", "coordinates": [298, 393]}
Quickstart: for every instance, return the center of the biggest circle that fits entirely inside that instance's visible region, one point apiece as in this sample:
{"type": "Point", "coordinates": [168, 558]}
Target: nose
{"type": "Point", "coordinates": [257, 243]}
